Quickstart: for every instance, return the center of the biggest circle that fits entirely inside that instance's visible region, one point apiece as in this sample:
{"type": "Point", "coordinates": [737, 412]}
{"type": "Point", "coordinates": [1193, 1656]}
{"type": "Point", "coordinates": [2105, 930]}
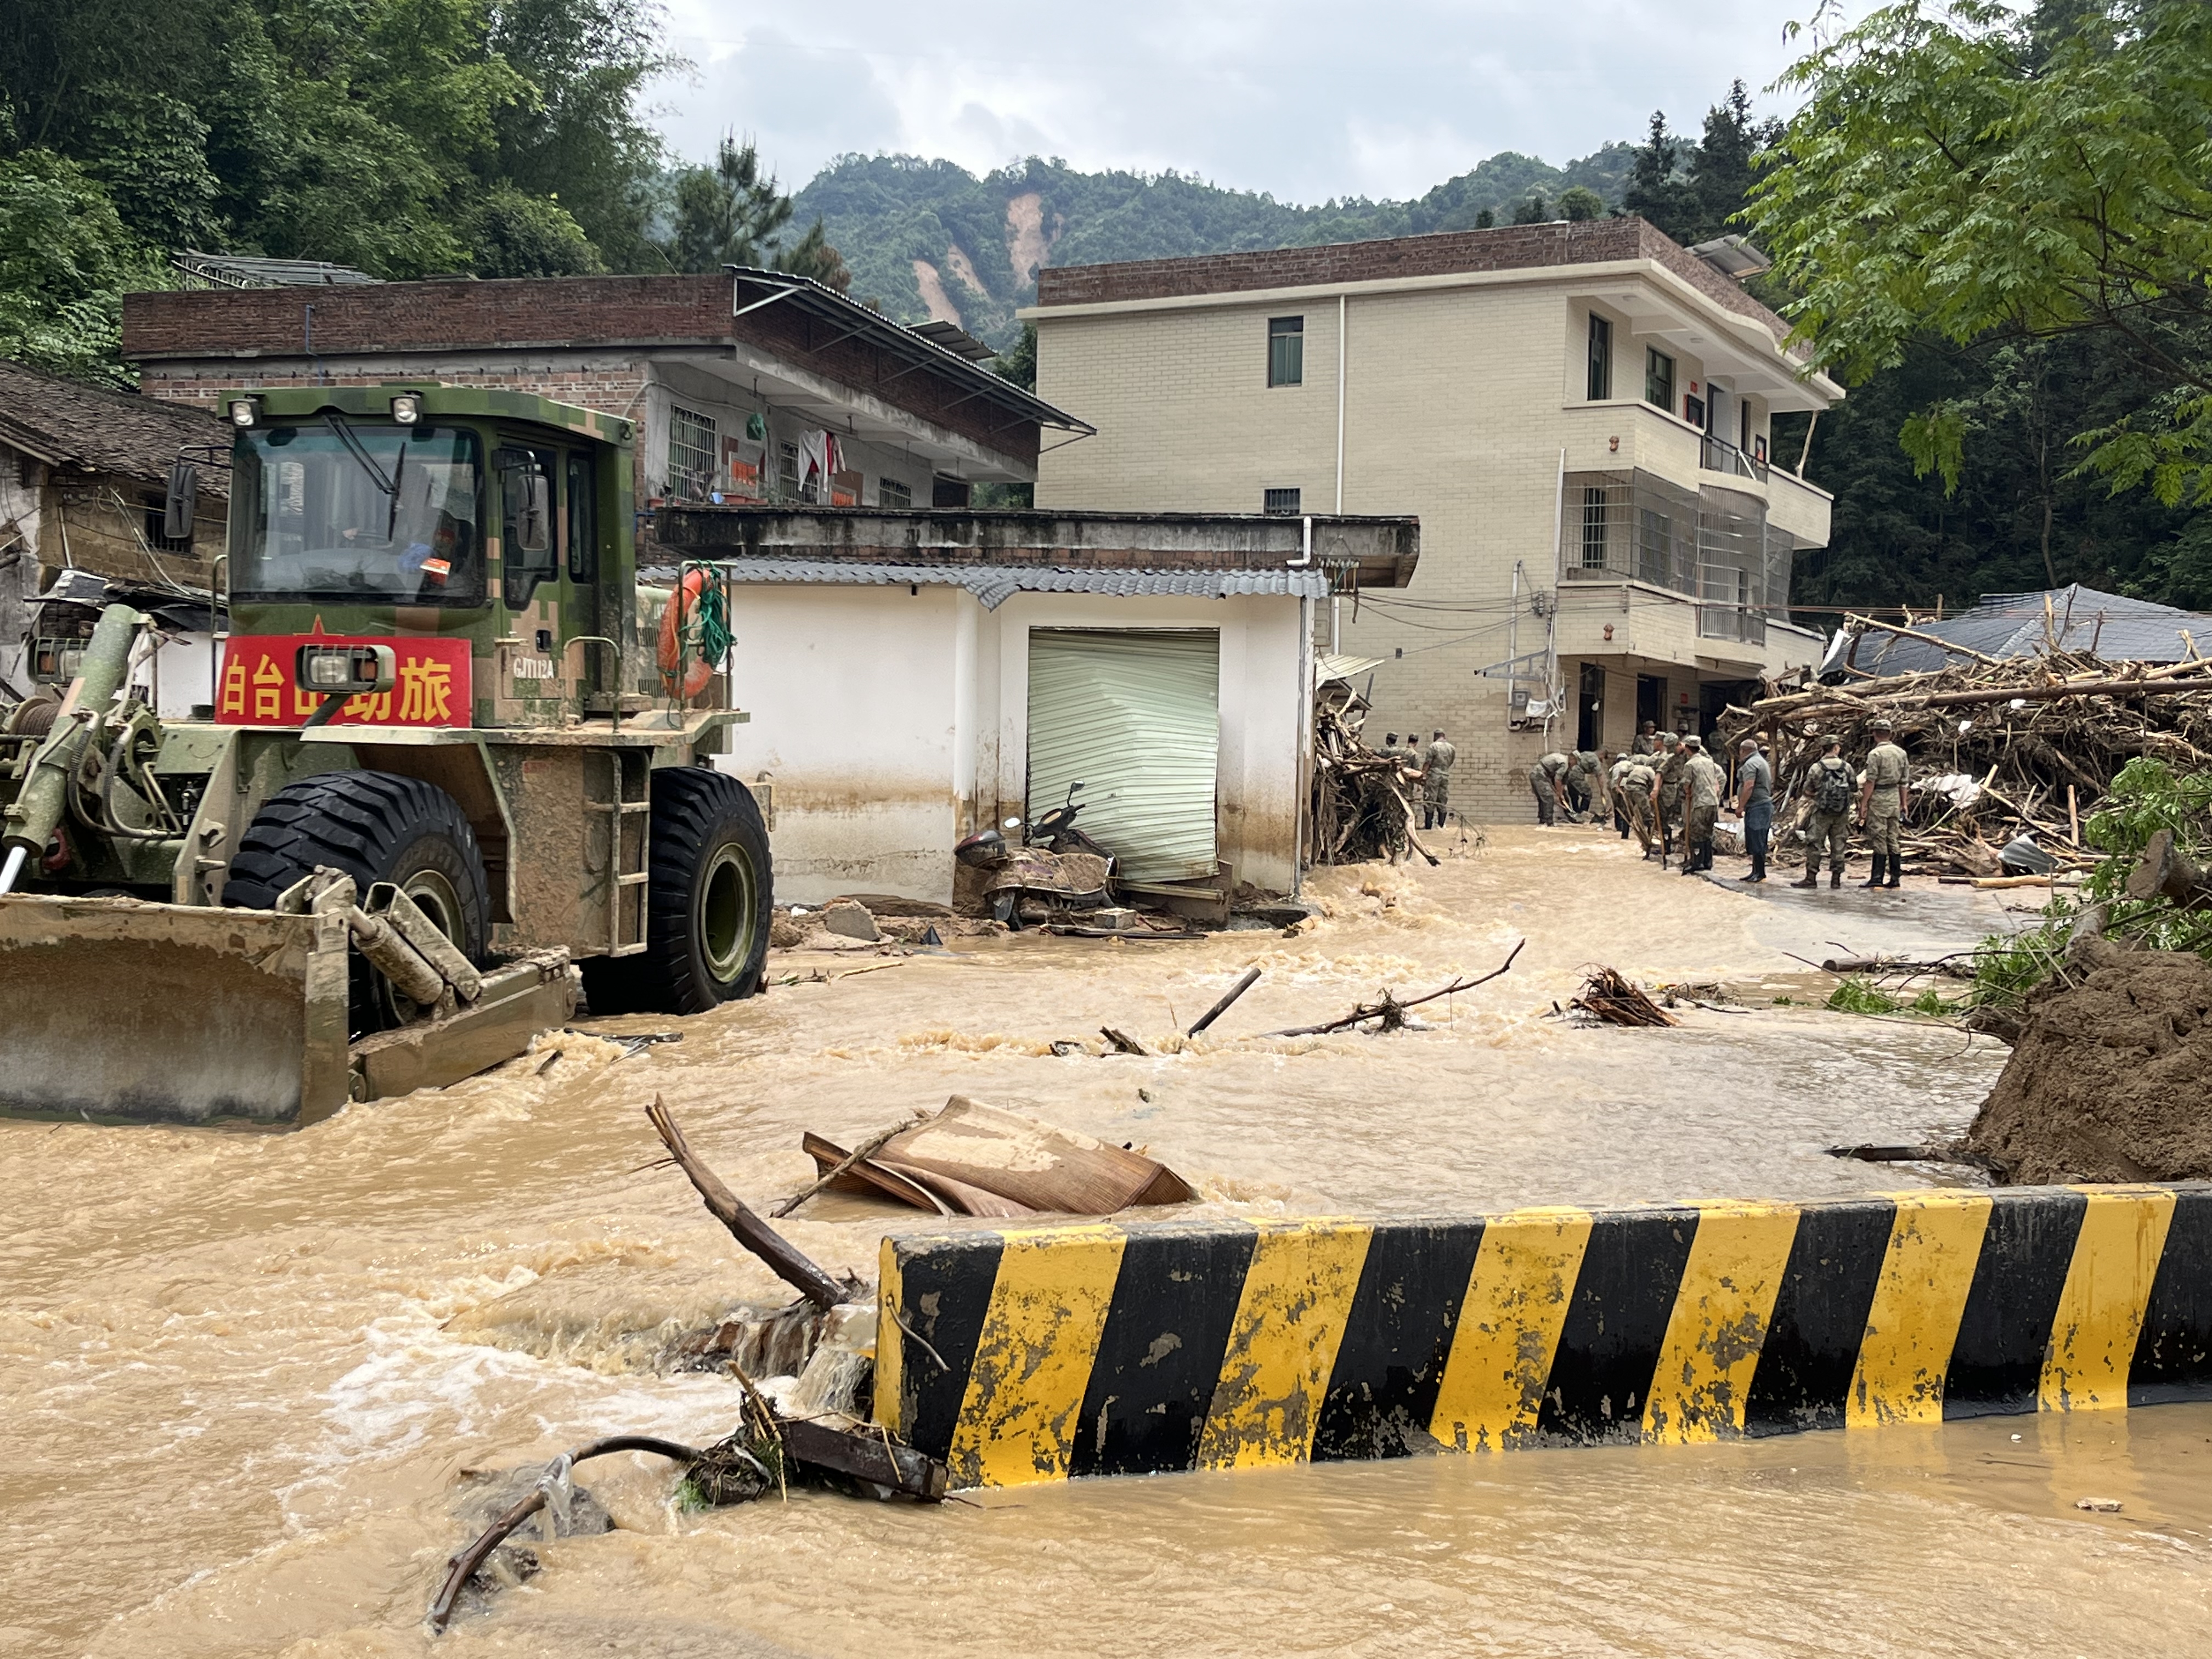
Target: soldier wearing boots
{"type": "Point", "coordinates": [1829, 823]}
{"type": "Point", "coordinates": [1702, 781]}
{"type": "Point", "coordinates": [1754, 799]}
{"type": "Point", "coordinates": [1673, 758]}
{"type": "Point", "coordinates": [1881, 804]}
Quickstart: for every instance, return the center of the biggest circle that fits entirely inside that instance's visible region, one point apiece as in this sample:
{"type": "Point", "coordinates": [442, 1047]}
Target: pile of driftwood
{"type": "Point", "coordinates": [1610, 996]}
{"type": "Point", "coordinates": [1362, 803]}
{"type": "Point", "coordinates": [2000, 747]}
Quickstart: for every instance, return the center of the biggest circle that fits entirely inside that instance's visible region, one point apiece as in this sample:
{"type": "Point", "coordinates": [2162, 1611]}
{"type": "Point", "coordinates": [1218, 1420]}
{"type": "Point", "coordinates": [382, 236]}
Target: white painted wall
{"type": "Point", "coordinates": [894, 723]}
{"type": "Point", "coordinates": [851, 691]}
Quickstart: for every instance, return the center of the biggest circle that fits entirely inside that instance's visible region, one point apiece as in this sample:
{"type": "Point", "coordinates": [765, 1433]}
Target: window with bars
{"type": "Point", "coordinates": [1595, 501]}
{"type": "Point", "coordinates": [889, 492]}
{"type": "Point", "coordinates": [691, 454]}
{"type": "Point", "coordinates": [1283, 503]}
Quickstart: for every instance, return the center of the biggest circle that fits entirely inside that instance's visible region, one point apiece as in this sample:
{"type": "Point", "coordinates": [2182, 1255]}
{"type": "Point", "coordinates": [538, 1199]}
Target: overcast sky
{"type": "Point", "coordinates": [1304, 99]}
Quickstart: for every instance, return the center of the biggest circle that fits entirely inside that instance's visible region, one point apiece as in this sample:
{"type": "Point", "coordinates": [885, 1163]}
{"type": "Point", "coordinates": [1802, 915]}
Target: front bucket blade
{"type": "Point", "coordinates": [121, 1010]}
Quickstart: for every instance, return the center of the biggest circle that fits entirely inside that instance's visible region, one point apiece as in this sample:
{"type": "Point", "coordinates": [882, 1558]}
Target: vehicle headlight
{"type": "Point", "coordinates": [242, 412]}
{"type": "Point", "coordinates": [406, 408]}
{"type": "Point", "coordinates": [327, 670]}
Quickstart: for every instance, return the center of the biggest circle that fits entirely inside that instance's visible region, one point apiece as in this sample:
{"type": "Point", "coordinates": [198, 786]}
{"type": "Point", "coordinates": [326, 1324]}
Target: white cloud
{"type": "Point", "coordinates": [1305, 98]}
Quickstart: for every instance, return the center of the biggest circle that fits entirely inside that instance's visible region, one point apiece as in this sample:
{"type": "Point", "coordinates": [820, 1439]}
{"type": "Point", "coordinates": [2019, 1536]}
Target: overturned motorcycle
{"type": "Point", "coordinates": [1032, 883]}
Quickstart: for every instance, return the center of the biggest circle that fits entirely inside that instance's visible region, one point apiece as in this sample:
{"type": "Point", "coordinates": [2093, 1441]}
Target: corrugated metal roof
{"type": "Point", "coordinates": [1341, 666]}
{"type": "Point", "coordinates": [2115, 628]}
{"type": "Point", "coordinates": [993, 584]}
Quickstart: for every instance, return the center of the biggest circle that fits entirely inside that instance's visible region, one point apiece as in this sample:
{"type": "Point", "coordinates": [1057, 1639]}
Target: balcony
{"type": "Point", "coordinates": [1721, 455]}
{"type": "Point", "coordinates": [1714, 547]}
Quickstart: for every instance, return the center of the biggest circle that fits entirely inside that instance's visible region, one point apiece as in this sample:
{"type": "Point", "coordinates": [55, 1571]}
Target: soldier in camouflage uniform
{"type": "Point", "coordinates": [1673, 758]}
{"type": "Point", "coordinates": [1639, 782]}
{"type": "Point", "coordinates": [1547, 781]}
{"type": "Point", "coordinates": [1436, 780]}
{"type": "Point", "coordinates": [1585, 778]}
{"type": "Point", "coordinates": [1702, 779]}
{"type": "Point", "coordinates": [1881, 804]}
{"type": "Point", "coordinates": [1828, 783]}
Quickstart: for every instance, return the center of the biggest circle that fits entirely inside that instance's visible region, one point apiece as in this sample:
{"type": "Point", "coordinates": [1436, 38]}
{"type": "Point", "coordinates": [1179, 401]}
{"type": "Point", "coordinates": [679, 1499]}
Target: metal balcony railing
{"type": "Point", "coordinates": [1721, 455]}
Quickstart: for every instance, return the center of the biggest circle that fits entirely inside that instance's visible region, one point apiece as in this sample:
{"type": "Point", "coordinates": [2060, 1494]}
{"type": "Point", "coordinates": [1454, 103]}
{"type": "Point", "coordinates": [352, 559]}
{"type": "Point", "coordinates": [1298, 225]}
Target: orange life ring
{"type": "Point", "coordinates": [695, 670]}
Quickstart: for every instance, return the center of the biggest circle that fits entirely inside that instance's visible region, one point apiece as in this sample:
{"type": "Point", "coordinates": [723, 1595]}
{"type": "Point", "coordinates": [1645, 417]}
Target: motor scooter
{"type": "Point", "coordinates": [1030, 884]}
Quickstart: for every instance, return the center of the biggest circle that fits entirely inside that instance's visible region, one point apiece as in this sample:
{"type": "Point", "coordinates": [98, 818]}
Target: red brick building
{"type": "Point", "coordinates": [748, 386]}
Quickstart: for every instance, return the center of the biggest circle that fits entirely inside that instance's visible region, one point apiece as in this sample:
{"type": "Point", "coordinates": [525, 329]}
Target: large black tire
{"type": "Point", "coordinates": [707, 905]}
{"type": "Point", "coordinates": [374, 826]}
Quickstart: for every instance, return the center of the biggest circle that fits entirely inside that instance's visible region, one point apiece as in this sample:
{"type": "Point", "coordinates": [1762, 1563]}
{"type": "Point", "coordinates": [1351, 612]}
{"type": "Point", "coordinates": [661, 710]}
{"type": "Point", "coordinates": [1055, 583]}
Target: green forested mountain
{"type": "Point", "coordinates": [926, 238]}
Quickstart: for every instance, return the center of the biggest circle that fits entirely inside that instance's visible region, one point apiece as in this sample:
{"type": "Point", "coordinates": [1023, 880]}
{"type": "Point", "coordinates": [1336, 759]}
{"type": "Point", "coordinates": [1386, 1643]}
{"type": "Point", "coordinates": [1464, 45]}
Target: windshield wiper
{"type": "Point", "coordinates": [337, 423]}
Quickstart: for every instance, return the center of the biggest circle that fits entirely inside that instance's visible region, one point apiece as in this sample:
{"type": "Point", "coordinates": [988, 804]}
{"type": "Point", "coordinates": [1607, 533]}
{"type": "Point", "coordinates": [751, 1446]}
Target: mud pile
{"type": "Point", "coordinates": [2107, 1080]}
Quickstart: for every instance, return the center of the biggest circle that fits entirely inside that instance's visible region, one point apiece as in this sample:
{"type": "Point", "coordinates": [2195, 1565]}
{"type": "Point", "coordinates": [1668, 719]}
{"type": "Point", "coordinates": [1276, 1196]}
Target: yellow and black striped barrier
{"type": "Point", "coordinates": [1037, 1353]}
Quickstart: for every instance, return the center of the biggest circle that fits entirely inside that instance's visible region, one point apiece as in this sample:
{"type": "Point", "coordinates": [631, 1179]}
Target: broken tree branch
{"type": "Point", "coordinates": [1251, 978]}
{"type": "Point", "coordinates": [1413, 840]}
{"type": "Point", "coordinates": [784, 1259]}
{"type": "Point", "coordinates": [866, 1149]}
{"type": "Point", "coordinates": [464, 1565]}
{"type": "Point", "coordinates": [1950, 646]}
{"type": "Point", "coordinates": [1122, 1042]}
{"type": "Point", "coordinates": [2165, 872]}
{"type": "Point", "coordinates": [1391, 1011]}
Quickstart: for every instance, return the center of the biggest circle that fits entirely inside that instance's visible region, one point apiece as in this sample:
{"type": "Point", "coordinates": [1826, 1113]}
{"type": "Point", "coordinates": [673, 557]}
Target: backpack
{"type": "Point", "coordinates": [1832, 786]}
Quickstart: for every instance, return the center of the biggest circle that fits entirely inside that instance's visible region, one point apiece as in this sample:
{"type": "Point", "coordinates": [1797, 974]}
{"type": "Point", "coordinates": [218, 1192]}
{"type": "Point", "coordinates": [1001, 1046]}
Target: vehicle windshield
{"type": "Point", "coordinates": [358, 510]}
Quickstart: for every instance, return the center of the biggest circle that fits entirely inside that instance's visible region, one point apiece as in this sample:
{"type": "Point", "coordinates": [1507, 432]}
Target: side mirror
{"type": "Point", "coordinates": [535, 529]}
{"type": "Point", "coordinates": [184, 498]}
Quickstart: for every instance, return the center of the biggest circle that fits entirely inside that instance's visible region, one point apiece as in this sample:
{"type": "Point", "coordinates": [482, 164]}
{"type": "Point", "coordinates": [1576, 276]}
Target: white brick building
{"type": "Point", "coordinates": [1580, 415]}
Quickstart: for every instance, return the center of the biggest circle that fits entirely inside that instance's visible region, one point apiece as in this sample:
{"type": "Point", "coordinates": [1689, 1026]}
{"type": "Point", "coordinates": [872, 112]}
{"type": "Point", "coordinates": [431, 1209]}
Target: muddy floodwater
{"type": "Point", "coordinates": [244, 1373]}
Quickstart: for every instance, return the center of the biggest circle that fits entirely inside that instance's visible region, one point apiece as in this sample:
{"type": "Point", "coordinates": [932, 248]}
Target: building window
{"type": "Point", "coordinates": [1600, 359]}
{"type": "Point", "coordinates": [786, 474]}
{"type": "Point", "coordinates": [1283, 503]}
{"type": "Point", "coordinates": [1658, 378]}
{"type": "Point", "coordinates": [691, 454]}
{"type": "Point", "coordinates": [1594, 523]}
{"type": "Point", "coordinates": [157, 524]}
{"type": "Point", "coordinates": [1287, 350]}
{"type": "Point", "coordinates": [889, 492]}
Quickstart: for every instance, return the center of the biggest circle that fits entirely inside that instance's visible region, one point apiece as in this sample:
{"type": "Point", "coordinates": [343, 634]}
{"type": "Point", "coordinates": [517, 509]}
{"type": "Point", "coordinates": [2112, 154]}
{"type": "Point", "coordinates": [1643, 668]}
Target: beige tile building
{"type": "Point", "coordinates": [1579, 414]}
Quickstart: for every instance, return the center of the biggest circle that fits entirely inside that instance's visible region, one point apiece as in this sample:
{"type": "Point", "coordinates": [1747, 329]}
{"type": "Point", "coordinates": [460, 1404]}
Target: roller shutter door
{"type": "Point", "coordinates": [1134, 715]}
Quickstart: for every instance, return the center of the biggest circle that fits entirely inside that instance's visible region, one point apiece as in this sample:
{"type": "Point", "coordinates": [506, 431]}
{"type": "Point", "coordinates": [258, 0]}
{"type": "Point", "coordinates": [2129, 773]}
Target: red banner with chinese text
{"type": "Point", "coordinates": [431, 685]}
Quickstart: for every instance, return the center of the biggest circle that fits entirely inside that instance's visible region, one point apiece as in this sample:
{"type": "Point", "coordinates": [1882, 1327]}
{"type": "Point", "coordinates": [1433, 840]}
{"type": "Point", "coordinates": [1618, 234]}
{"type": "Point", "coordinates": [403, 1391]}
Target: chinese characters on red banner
{"type": "Point", "coordinates": [432, 684]}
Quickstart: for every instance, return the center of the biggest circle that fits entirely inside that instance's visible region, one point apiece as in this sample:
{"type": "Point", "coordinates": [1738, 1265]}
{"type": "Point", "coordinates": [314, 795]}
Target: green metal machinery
{"type": "Point", "coordinates": [448, 781]}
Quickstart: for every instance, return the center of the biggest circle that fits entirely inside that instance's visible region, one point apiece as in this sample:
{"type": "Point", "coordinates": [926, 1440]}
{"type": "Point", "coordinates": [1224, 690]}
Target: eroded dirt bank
{"type": "Point", "coordinates": [244, 1372]}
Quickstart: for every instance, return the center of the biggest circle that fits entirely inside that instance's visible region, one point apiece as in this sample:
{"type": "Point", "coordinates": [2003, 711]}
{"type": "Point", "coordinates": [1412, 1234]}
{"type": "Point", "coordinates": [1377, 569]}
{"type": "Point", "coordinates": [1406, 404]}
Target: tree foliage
{"type": "Point", "coordinates": [1985, 176]}
{"type": "Point", "coordinates": [402, 136]}
{"type": "Point", "coordinates": [1992, 225]}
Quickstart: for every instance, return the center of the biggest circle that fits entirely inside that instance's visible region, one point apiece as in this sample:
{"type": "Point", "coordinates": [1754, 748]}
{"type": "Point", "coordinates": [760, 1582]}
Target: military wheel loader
{"type": "Point", "coordinates": [443, 781]}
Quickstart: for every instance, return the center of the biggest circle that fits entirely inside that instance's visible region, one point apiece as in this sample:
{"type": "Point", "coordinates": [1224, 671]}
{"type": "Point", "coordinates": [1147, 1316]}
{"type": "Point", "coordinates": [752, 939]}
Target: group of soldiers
{"type": "Point", "coordinates": [1428, 769]}
{"type": "Point", "coordinates": [1667, 791]}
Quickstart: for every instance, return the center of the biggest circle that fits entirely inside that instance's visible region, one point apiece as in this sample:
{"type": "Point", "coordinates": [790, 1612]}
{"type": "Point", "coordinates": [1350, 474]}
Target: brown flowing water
{"type": "Point", "coordinates": [244, 1373]}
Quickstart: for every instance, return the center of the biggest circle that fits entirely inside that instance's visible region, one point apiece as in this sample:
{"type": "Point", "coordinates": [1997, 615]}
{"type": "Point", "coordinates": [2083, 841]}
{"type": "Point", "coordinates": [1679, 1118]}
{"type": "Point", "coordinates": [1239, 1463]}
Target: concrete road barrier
{"type": "Point", "coordinates": [1037, 1353]}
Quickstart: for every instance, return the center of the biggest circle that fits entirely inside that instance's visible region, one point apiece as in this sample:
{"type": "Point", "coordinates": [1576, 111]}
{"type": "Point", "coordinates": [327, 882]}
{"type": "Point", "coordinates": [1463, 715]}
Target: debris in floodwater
{"type": "Point", "coordinates": [2100, 1505]}
{"type": "Point", "coordinates": [973, 1160]}
{"type": "Point", "coordinates": [1610, 996]}
{"type": "Point", "coordinates": [783, 1258]}
{"type": "Point", "coordinates": [632, 1044]}
{"type": "Point", "coordinates": [1389, 1012]}
{"type": "Point", "coordinates": [572, 1510]}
